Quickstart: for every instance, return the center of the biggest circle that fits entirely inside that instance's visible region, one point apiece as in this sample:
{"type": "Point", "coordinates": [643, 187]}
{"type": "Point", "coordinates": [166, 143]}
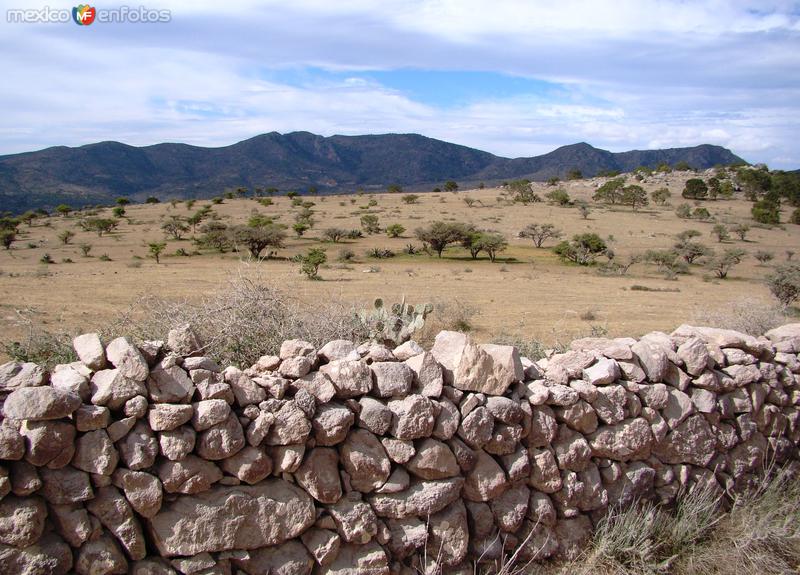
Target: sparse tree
{"type": "Point", "coordinates": [85, 249]}
{"type": "Point", "coordinates": [574, 174]}
{"type": "Point", "coordinates": [118, 212]}
{"type": "Point", "coordinates": [155, 200]}
{"type": "Point", "coordinates": [741, 231]}
{"type": "Point", "coordinates": [583, 209]}
{"type": "Point", "coordinates": [722, 263]}
{"type": "Point", "coordinates": [540, 233]}
{"type": "Point", "coordinates": [660, 196]}
{"type": "Point", "coordinates": [610, 192]}
{"type": "Point", "coordinates": [99, 225]}
{"type": "Point", "coordinates": [175, 226]}
{"type": "Point", "coordinates": [369, 223]}
{"type": "Point", "coordinates": [583, 249]}
{"type": "Point", "coordinates": [66, 236]}
{"type": "Point", "coordinates": [450, 186]}
{"type": "Point", "coordinates": [634, 196]}
{"type": "Point", "coordinates": [492, 243]}
{"type": "Point", "coordinates": [214, 235]}
{"type": "Point", "coordinates": [28, 217]}
{"type": "Point", "coordinates": [123, 201]}
{"type": "Point", "coordinates": [63, 209]}
{"type": "Point", "coordinates": [764, 256]}
{"type": "Point", "coordinates": [721, 232]}
{"type": "Point", "coordinates": [438, 235]}
{"type": "Point", "coordinates": [690, 251]}
{"type": "Point", "coordinates": [257, 239]}
{"type": "Point", "coordinates": [155, 249]}
{"type": "Point", "coordinates": [300, 227]}
{"type": "Point", "coordinates": [310, 262]}
{"type": "Point", "coordinates": [395, 230]}
{"type": "Point", "coordinates": [785, 283]}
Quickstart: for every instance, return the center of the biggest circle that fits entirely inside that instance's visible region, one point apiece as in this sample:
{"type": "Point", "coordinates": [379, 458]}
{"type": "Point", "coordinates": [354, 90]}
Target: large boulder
{"type": "Point", "coordinates": [227, 518]}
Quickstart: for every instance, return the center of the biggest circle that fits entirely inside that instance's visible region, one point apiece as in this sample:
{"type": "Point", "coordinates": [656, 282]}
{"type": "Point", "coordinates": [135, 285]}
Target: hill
{"type": "Point", "coordinates": [98, 173]}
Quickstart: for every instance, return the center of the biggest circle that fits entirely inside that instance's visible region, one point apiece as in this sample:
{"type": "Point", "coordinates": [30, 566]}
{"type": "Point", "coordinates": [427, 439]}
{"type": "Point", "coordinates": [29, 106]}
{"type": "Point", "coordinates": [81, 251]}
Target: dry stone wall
{"type": "Point", "coordinates": [152, 459]}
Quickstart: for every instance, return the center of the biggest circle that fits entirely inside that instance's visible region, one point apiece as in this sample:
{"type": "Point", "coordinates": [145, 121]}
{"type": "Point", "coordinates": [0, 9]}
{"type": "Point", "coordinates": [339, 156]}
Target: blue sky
{"type": "Point", "coordinates": [516, 78]}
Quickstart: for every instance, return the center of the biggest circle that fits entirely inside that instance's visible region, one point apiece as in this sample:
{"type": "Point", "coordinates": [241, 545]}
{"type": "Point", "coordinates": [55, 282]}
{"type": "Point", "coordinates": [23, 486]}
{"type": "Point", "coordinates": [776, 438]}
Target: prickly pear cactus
{"type": "Point", "coordinates": [395, 324]}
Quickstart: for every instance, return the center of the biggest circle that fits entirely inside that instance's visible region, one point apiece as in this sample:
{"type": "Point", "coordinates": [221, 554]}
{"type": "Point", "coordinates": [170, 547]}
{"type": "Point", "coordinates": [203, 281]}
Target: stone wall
{"type": "Point", "coordinates": [363, 459]}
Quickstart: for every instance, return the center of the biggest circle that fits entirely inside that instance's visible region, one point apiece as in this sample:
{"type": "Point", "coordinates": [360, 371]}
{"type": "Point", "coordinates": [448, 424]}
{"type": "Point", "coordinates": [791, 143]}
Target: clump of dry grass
{"type": "Point", "coordinates": [744, 315]}
{"type": "Point", "coordinates": [46, 348]}
{"type": "Point", "coordinates": [454, 315]}
{"type": "Point", "coordinates": [760, 533]}
{"type": "Point", "coordinates": [244, 319]}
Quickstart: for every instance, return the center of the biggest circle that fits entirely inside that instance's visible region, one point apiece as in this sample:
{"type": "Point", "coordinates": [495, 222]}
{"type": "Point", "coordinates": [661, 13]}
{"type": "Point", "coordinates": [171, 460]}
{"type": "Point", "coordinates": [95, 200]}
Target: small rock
{"type": "Point", "coordinates": [90, 351]}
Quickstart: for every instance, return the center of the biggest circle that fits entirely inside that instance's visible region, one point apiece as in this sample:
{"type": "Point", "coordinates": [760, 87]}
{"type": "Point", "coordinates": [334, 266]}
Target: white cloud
{"type": "Point", "coordinates": [633, 74]}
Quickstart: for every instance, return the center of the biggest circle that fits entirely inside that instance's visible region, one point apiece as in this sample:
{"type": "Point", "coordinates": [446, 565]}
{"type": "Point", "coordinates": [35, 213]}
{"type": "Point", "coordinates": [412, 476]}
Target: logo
{"type": "Point", "coordinates": [84, 14]}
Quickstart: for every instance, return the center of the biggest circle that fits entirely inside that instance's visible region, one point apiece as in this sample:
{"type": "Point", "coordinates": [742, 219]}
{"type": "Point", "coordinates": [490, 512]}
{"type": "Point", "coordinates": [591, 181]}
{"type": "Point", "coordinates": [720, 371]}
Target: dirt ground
{"type": "Point", "coordinates": [528, 292]}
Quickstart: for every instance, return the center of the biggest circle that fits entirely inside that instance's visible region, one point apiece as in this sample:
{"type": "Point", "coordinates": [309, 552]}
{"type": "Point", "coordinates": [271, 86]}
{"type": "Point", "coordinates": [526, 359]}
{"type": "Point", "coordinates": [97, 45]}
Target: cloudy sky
{"type": "Point", "coordinates": [513, 77]}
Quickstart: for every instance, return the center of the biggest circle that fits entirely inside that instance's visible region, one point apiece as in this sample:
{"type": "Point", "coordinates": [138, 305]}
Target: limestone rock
{"type": "Point", "coordinates": [138, 450]}
{"type": "Point", "coordinates": [184, 341]}
{"type": "Point", "coordinates": [127, 358]}
{"type": "Point", "coordinates": [250, 465]}
{"type": "Point", "coordinates": [168, 416]}
{"type": "Point", "coordinates": [116, 515]}
{"type": "Point", "coordinates": [50, 556]}
{"type": "Point", "coordinates": [189, 476]}
{"type": "Point", "coordinates": [50, 443]}
{"type": "Point", "coordinates": [226, 518]}
{"type": "Point", "coordinates": [94, 453]}
{"type": "Point", "coordinates": [208, 413]}
{"type": "Point", "coordinates": [487, 479]}
{"type": "Point", "coordinates": [90, 351]}
{"type": "Point", "coordinates": [691, 442]}
{"type": "Point", "coordinates": [365, 460]}
{"type": "Point", "coordinates": [355, 520]}
{"type": "Point", "coordinates": [338, 349]}
{"type": "Point", "coordinates": [319, 475]}
{"type": "Point", "coordinates": [142, 490]}
{"type": "Point", "coordinates": [323, 544]}
{"type": "Point", "coordinates": [40, 403]}
{"type": "Point", "coordinates": [369, 559]}
{"type": "Point", "coordinates": [412, 417]}
{"type": "Point", "coordinates": [476, 428]}
{"type": "Point", "coordinates": [374, 416]}
{"type": "Point", "coordinates": [222, 440]}
{"type": "Point", "coordinates": [291, 426]}
{"type": "Point", "coordinates": [65, 485]}
{"type": "Point", "coordinates": [177, 443]}
{"type": "Point", "coordinates": [21, 520]}
{"type": "Point", "coordinates": [101, 556]}
{"type": "Point", "coordinates": [449, 535]}
{"type": "Point", "coordinates": [350, 378]}
{"type": "Point", "coordinates": [433, 460]}
{"type": "Point", "coordinates": [169, 384]}
{"type": "Point", "coordinates": [628, 441]}
{"type": "Point", "coordinates": [420, 499]}
{"type": "Point", "coordinates": [289, 558]}
{"type": "Point", "coordinates": [331, 423]}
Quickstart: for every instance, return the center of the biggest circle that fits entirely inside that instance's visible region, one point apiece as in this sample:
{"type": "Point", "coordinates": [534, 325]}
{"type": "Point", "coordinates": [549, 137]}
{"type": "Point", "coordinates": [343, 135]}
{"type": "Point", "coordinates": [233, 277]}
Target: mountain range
{"type": "Point", "coordinates": [99, 173]}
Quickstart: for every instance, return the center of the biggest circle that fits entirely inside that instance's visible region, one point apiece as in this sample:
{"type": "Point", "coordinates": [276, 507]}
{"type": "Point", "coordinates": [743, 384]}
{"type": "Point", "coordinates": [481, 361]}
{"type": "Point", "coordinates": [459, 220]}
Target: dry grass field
{"type": "Point", "coordinates": [528, 292]}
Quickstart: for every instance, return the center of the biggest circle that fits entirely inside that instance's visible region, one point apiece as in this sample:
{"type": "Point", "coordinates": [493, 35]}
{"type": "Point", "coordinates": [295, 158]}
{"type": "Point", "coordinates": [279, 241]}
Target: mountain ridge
{"type": "Point", "coordinates": [100, 172]}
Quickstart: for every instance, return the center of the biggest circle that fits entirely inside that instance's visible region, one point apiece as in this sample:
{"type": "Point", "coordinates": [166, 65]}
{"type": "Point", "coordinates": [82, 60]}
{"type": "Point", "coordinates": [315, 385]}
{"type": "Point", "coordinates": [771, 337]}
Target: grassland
{"type": "Point", "coordinates": [527, 292]}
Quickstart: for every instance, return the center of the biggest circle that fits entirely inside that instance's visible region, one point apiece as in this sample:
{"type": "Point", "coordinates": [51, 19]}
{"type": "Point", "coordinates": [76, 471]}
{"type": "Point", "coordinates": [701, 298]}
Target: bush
{"type": "Point", "coordinates": [766, 212]}
{"type": "Point", "coordinates": [684, 211]}
{"type": "Point", "coordinates": [660, 196]}
{"type": "Point", "coordinates": [439, 235]}
{"type": "Point", "coordinates": [764, 256]}
{"type": "Point", "coordinates": [395, 230]}
{"type": "Point", "coordinates": [346, 255]}
{"type": "Point", "coordinates": [583, 249]}
{"type": "Point", "coordinates": [410, 198]}
{"type": "Point", "coordinates": [247, 317]}
{"type": "Point", "coordinates": [540, 233]}
{"type": "Point", "coordinates": [785, 283]}
{"type": "Point", "coordinates": [334, 235]}
{"type": "Point", "coordinates": [695, 189]}
{"type": "Point", "coordinates": [559, 197]}
{"type": "Point", "coordinates": [310, 262]}
{"type": "Point", "coordinates": [380, 253]}
{"type": "Point", "coordinates": [722, 263]}
{"type": "Point", "coordinates": [795, 217]}
{"type": "Point", "coordinates": [369, 223]}
{"type": "Point", "coordinates": [721, 232]}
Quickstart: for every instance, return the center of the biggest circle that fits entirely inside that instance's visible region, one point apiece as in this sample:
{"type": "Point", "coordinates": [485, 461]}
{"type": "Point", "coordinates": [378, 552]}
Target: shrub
{"type": "Point", "coordinates": [354, 234]}
{"type": "Point", "coordinates": [684, 211]}
{"type": "Point", "coordinates": [346, 255]}
{"type": "Point", "coordinates": [660, 196]}
{"type": "Point", "coordinates": [741, 230]}
{"type": "Point", "coordinates": [310, 262]}
{"type": "Point", "coordinates": [764, 256]}
{"type": "Point", "coordinates": [583, 249]}
{"type": "Point", "coordinates": [175, 226]}
{"type": "Point", "coordinates": [785, 283]}
{"type": "Point", "coordinates": [766, 212]}
{"type": "Point", "coordinates": [369, 223]}
{"type": "Point", "coordinates": [795, 217]}
{"type": "Point", "coordinates": [380, 253]}
{"type": "Point", "coordinates": [46, 259]}
{"type": "Point", "coordinates": [7, 237]}
{"type": "Point", "coordinates": [559, 197]}
{"type": "Point", "coordinates": [85, 249]}
{"type": "Point", "coordinates": [721, 232]}
{"type": "Point", "coordinates": [155, 200]}
{"type": "Point", "coordinates": [410, 198]}
{"type": "Point", "coordinates": [634, 196]}
{"type": "Point", "coordinates": [701, 214]}
{"type": "Point", "coordinates": [395, 230]}
{"type": "Point", "coordinates": [334, 235]}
